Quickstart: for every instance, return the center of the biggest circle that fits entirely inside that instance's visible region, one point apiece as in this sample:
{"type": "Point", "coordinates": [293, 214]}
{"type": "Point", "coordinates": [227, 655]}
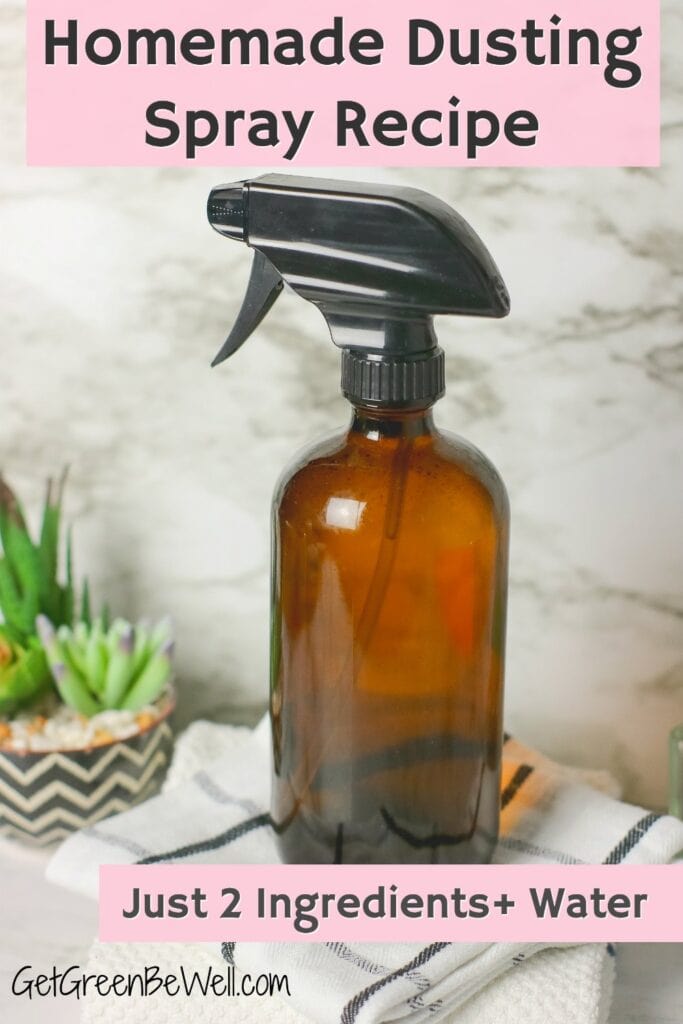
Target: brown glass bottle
{"type": "Point", "coordinates": [388, 622]}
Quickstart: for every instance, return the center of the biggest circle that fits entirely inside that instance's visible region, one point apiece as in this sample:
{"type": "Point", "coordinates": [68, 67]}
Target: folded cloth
{"type": "Point", "coordinates": [555, 986]}
{"type": "Point", "coordinates": [213, 810]}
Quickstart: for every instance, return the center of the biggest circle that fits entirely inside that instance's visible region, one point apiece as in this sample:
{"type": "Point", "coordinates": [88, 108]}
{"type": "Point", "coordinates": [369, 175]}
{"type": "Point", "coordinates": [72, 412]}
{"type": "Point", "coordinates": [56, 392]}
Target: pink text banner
{"type": "Point", "coordinates": [554, 904]}
{"type": "Point", "coordinates": [500, 83]}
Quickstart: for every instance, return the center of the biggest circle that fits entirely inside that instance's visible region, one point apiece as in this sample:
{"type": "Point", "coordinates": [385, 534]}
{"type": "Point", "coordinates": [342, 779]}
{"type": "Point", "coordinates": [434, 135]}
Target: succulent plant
{"type": "Point", "coordinates": [29, 586]}
{"type": "Point", "coordinates": [97, 668]}
{"type": "Point", "coordinates": [29, 572]}
{"type": "Point", "coordinates": [24, 673]}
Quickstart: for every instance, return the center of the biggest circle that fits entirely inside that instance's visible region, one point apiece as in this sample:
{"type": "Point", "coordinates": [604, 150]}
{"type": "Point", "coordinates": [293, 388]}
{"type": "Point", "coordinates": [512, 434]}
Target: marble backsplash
{"type": "Point", "coordinates": [116, 294]}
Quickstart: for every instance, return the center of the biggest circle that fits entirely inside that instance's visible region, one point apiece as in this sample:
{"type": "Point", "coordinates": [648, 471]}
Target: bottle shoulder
{"type": "Point", "coordinates": [466, 458]}
{"type": "Point", "coordinates": [308, 460]}
{"type": "Point", "coordinates": [442, 468]}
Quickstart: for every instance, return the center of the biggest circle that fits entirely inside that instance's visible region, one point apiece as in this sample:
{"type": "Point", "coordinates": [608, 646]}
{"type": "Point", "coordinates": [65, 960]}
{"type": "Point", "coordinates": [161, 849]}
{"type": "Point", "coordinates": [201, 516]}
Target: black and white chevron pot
{"type": "Point", "coordinates": [44, 796]}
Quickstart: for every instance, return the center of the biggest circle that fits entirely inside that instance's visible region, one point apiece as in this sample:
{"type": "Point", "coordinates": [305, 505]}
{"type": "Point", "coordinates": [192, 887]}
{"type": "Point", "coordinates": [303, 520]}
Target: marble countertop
{"type": "Point", "coordinates": [45, 925]}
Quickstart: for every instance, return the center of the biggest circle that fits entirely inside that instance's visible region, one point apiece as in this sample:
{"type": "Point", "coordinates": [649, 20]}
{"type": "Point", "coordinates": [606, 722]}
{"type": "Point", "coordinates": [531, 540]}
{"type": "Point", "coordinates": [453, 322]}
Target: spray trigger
{"type": "Point", "coordinates": [265, 284]}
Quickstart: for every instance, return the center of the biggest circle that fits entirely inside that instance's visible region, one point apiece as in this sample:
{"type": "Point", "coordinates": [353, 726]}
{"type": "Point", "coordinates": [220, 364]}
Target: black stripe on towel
{"type": "Point", "coordinates": [120, 841]}
{"type": "Point", "coordinates": [543, 852]}
{"type": "Point", "coordinates": [354, 1006]}
{"type": "Point", "coordinates": [513, 786]}
{"type": "Point", "coordinates": [229, 836]}
{"type": "Point", "coordinates": [344, 952]}
{"type": "Point", "coordinates": [631, 839]}
{"type": "Point", "coordinates": [363, 963]}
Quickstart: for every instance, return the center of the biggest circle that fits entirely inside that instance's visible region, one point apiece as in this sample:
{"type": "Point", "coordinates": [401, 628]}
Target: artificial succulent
{"type": "Point", "coordinates": [24, 673]}
{"type": "Point", "coordinates": [46, 643]}
{"type": "Point", "coordinates": [29, 571]}
{"type": "Point", "coordinates": [98, 668]}
{"type": "Point", "coordinates": [30, 586]}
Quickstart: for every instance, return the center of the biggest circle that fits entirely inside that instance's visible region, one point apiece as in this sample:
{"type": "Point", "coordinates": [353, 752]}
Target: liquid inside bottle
{"type": "Point", "coordinates": [388, 622]}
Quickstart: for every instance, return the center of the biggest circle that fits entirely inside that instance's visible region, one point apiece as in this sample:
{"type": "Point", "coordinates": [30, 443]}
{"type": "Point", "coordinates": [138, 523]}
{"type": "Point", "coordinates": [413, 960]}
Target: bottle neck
{"type": "Point", "coordinates": [394, 379]}
{"type": "Point", "coordinates": [378, 424]}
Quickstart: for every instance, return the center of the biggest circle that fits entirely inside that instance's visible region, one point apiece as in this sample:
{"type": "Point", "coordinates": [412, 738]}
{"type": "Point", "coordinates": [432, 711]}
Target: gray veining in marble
{"type": "Point", "coordinates": [116, 294]}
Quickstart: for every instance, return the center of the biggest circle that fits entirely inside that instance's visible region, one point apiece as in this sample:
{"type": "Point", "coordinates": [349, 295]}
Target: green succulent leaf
{"type": "Point", "coordinates": [10, 597]}
{"type": "Point", "coordinates": [86, 616]}
{"type": "Point", "coordinates": [150, 683]}
{"type": "Point", "coordinates": [10, 507]}
{"type": "Point", "coordinates": [73, 691]}
{"type": "Point", "coordinates": [48, 554]}
{"type": "Point", "coordinates": [120, 668]}
{"type": "Point", "coordinates": [24, 680]}
{"type": "Point", "coordinates": [21, 556]}
{"type": "Point", "coordinates": [67, 593]}
{"type": "Point", "coordinates": [105, 616]}
{"type": "Point", "coordinates": [13, 634]}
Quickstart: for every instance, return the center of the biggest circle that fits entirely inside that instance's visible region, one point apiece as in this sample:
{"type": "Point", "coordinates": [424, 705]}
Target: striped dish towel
{"type": "Point", "coordinates": [213, 810]}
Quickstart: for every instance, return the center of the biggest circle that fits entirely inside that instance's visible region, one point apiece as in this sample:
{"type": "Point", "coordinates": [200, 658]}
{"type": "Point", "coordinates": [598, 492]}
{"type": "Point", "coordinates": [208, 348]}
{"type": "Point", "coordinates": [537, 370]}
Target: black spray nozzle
{"type": "Point", "coordinates": [227, 212]}
{"type": "Point", "coordinates": [378, 261]}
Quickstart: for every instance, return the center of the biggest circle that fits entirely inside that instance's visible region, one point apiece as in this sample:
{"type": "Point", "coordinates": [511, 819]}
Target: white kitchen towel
{"type": "Point", "coordinates": [213, 810]}
{"type": "Point", "coordinates": [556, 986]}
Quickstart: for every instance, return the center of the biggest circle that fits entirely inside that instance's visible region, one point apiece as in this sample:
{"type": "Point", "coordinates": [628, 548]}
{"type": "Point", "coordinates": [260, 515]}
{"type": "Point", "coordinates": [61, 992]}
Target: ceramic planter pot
{"type": "Point", "coordinates": [46, 795]}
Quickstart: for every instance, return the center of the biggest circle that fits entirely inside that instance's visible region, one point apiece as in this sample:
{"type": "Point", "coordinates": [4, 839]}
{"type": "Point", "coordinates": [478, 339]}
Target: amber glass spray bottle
{"type": "Point", "coordinates": [389, 538]}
